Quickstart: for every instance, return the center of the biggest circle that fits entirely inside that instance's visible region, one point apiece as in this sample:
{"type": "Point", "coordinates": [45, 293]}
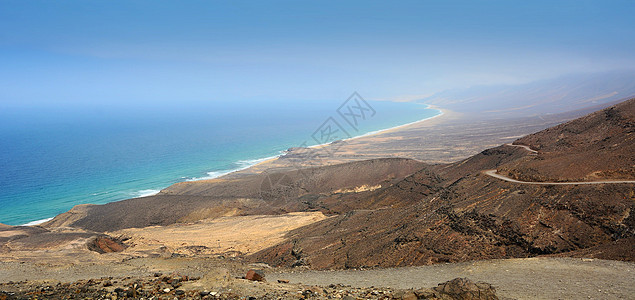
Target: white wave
{"type": "Point", "coordinates": [38, 222]}
{"type": "Point", "coordinates": [100, 193]}
{"type": "Point", "coordinates": [145, 193]}
{"type": "Point", "coordinates": [211, 175]}
{"type": "Point", "coordinates": [242, 165]}
{"type": "Point", "coordinates": [252, 162]}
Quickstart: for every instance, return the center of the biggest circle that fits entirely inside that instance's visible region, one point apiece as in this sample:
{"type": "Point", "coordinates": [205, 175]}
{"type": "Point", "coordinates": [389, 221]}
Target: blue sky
{"type": "Point", "coordinates": [152, 52]}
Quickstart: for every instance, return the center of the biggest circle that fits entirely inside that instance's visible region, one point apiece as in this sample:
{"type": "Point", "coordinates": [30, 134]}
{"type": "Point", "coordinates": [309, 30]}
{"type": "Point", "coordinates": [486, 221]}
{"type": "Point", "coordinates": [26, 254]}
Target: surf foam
{"type": "Point", "coordinates": [37, 222]}
{"type": "Point", "coordinates": [242, 165]}
{"type": "Point", "coordinates": [146, 193]}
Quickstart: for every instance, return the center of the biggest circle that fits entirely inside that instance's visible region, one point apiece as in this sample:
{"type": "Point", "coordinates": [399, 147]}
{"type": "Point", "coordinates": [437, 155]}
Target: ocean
{"type": "Point", "coordinates": [54, 158]}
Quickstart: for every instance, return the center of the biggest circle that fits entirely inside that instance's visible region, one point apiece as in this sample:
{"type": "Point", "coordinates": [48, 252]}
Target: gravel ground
{"type": "Point", "coordinates": [533, 278]}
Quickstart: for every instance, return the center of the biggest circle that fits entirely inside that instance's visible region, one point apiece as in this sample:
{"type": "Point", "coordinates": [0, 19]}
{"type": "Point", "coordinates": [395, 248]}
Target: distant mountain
{"type": "Point", "coordinates": [550, 96]}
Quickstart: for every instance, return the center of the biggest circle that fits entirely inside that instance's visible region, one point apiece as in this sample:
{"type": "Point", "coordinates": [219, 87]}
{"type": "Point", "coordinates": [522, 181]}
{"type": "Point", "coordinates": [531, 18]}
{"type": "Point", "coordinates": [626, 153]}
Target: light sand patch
{"type": "Point", "coordinates": [243, 234]}
{"type": "Point", "coordinates": [10, 233]}
{"type": "Point", "coordinates": [359, 189]}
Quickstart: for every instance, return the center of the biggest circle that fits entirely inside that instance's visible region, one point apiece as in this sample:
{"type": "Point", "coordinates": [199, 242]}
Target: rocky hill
{"type": "Point", "coordinates": [597, 146]}
{"type": "Point", "coordinates": [451, 213]}
{"type": "Point", "coordinates": [261, 194]}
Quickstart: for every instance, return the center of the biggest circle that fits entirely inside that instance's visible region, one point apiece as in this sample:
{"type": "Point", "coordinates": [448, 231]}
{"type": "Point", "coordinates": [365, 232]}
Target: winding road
{"type": "Point", "coordinates": [502, 177]}
{"type": "Point", "coordinates": [524, 147]}
{"type": "Point", "coordinates": [493, 173]}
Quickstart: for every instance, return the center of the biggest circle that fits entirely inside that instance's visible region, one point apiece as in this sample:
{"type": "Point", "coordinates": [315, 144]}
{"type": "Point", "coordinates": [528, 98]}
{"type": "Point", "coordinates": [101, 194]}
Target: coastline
{"type": "Point", "coordinates": [251, 165]}
{"type": "Point", "coordinates": [37, 222]}
{"type": "Point", "coordinates": [271, 159]}
{"type": "Point", "coordinates": [376, 132]}
{"type": "Point", "coordinates": [247, 163]}
{"type": "Point", "coordinates": [390, 129]}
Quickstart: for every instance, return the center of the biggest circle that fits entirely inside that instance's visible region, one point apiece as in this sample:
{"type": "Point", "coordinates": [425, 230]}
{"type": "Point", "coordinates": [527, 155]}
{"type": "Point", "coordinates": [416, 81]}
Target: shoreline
{"type": "Point", "coordinates": [380, 131]}
{"type": "Point", "coordinates": [376, 132]}
{"type": "Point", "coordinates": [37, 222]}
{"type": "Point", "coordinates": [250, 163]}
{"type": "Point", "coordinates": [441, 112]}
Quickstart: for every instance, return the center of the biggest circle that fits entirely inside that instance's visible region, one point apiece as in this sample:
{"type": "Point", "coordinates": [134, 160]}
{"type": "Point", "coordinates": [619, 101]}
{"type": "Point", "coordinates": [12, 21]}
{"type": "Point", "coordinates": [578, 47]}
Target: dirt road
{"type": "Point", "coordinates": [532, 278]}
{"type": "Point", "coordinates": [524, 147]}
{"type": "Point", "coordinates": [493, 173]}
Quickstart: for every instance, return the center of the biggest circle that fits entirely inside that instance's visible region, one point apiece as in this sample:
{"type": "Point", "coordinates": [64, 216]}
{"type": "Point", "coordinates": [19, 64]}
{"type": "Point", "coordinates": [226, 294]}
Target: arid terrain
{"type": "Point", "coordinates": [539, 216]}
{"type": "Point", "coordinates": [534, 278]}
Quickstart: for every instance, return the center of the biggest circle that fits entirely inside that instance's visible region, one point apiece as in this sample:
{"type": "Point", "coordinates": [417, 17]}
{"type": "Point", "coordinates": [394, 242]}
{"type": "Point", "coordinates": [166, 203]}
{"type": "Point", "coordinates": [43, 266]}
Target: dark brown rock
{"type": "Point", "coordinates": [465, 289]}
{"type": "Point", "coordinates": [105, 244]}
{"type": "Point", "coordinates": [407, 295]}
{"type": "Point", "coordinates": [255, 275]}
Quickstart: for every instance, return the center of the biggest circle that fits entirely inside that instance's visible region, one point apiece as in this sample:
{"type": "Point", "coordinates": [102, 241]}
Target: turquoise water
{"type": "Point", "coordinates": [52, 159]}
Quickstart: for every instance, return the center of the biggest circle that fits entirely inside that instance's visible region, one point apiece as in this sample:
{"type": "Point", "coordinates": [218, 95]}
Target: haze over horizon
{"type": "Point", "coordinates": [106, 53]}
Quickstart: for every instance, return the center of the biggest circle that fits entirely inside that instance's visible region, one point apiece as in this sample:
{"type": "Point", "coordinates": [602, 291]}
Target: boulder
{"type": "Point", "coordinates": [255, 275]}
{"type": "Point", "coordinates": [105, 244]}
{"type": "Point", "coordinates": [465, 289]}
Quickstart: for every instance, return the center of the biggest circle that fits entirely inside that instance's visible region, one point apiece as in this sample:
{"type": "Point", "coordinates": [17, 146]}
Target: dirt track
{"type": "Point", "coordinates": [524, 147]}
{"type": "Point", "coordinates": [532, 278]}
{"type": "Point", "coordinates": [493, 173]}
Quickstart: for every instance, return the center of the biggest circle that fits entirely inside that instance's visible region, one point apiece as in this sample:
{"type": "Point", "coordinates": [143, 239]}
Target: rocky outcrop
{"type": "Point", "coordinates": [106, 244]}
{"type": "Point", "coordinates": [255, 275]}
{"type": "Point", "coordinates": [465, 289]}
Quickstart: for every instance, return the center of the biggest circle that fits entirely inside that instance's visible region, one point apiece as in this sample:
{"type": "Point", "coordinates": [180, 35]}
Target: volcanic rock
{"type": "Point", "coordinates": [255, 275]}
{"type": "Point", "coordinates": [105, 244]}
{"type": "Point", "coordinates": [465, 289]}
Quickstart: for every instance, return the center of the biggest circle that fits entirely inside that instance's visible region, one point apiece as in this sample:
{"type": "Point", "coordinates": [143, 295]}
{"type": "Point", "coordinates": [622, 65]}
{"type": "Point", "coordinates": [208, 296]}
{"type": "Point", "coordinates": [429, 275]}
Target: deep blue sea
{"type": "Point", "coordinates": [54, 158]}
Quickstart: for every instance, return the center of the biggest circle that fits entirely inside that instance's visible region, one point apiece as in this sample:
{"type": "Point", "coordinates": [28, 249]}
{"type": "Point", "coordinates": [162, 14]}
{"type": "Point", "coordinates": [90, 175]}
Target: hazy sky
{"type": "Point", "coordinates": [150, 52]}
